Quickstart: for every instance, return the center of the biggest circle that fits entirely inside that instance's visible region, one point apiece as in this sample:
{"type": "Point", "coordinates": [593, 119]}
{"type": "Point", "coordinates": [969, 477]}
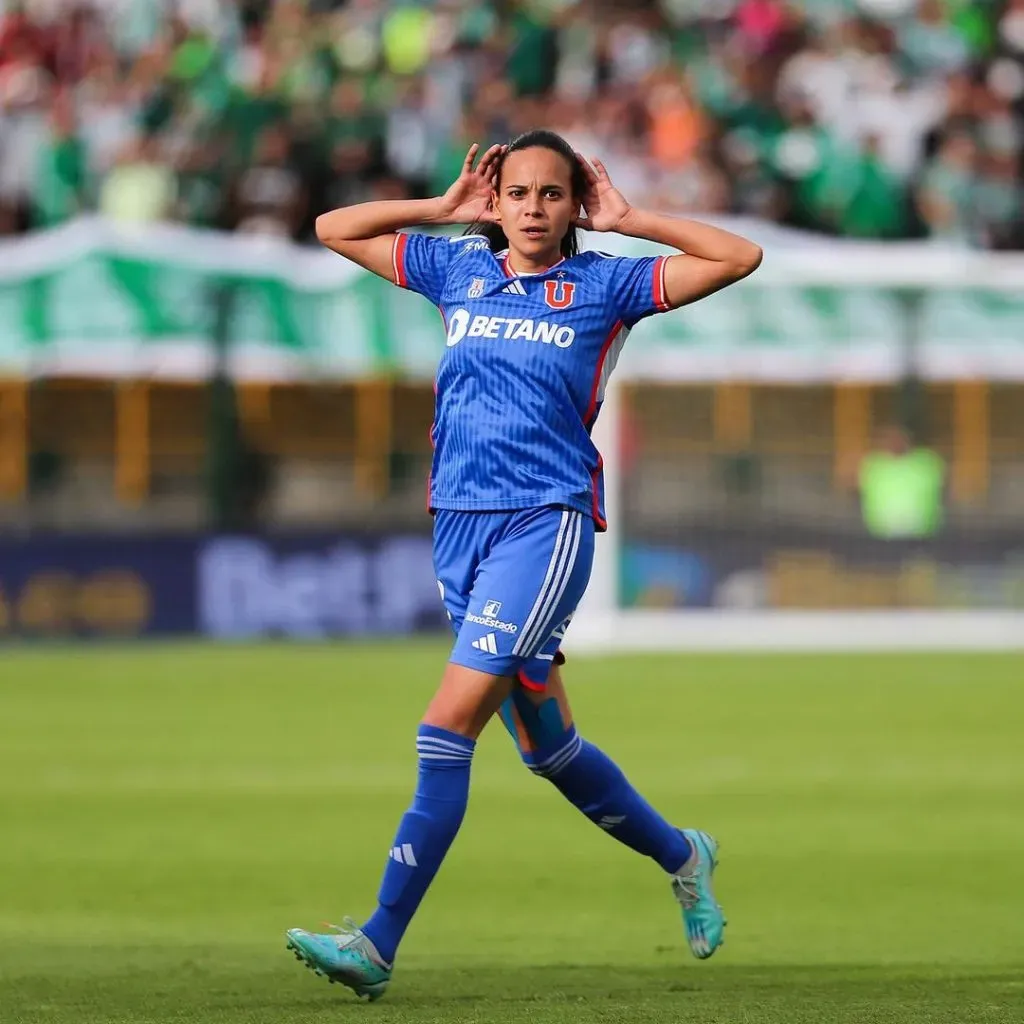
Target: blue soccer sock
{"type": "Point", "coordinates": [594, 783]}
{"type": "Point", "coordinates": [424, 835]}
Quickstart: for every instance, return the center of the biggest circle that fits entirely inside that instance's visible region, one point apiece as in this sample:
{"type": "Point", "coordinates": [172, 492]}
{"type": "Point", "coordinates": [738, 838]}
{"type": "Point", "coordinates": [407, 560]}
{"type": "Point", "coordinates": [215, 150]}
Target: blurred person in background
{"type": "Point", "coordinates": [901, 487]}
{"type": "Point", "coordinates": [108, 113]}
{"type": "Point", "coordinates": [59, 188]}
{"type": "Point", "coordinates": [141, 186]}
{"type": "Point", "coordinates": [946, 193]}
{"type": "Point", "coordinates": [409, 141]}
{"type": "Point", "coordinates": [201, 173]}
{"type": "Point", "coordinates": [268, 197]}
{"type": "Point", "coordinates": [830, 115]}
{"type": "Point", "coordinates": [1000, 201]}
{"type": "Point", "coordinates": [27, 91]}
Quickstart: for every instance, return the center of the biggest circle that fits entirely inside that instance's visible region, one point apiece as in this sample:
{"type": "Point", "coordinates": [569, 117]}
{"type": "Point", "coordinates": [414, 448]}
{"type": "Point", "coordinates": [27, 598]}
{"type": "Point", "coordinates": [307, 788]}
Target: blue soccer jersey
{"type": "Point", "coordinates": [522, 379]}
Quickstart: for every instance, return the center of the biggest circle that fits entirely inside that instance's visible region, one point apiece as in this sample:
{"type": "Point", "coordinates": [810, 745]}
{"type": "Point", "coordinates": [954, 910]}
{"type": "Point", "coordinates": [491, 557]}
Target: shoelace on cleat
{"type": "Point", "coordinates": [348, 932]}
{"type": "Point", "coordinates": [686, 891]}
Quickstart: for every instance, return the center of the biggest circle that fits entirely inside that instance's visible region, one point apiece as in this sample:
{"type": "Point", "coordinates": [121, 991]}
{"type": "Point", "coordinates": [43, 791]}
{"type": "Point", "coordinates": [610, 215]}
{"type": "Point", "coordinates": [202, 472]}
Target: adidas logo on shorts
{"type": "Point", "coordinates": [487, 644]}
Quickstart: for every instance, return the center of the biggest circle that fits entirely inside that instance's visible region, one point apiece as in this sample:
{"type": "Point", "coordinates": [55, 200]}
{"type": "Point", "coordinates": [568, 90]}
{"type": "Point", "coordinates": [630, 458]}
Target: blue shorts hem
{"type": "Point", "coordinates": [511, 667]}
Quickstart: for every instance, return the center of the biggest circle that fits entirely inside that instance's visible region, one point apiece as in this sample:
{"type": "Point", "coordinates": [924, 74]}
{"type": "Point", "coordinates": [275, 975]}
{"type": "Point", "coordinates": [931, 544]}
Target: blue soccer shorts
{"type": "Point", "coordinates": [510, 582]}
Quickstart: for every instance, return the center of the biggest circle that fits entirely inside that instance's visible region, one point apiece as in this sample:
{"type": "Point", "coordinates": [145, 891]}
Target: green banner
{"type": "Point", "coordinates": [93, 299]}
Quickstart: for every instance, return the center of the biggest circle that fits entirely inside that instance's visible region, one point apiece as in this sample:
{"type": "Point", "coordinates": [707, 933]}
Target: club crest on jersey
{"type": "Point", "coordinates": [559, 294]}
{"type": "Point", "coordinates": [476, 289]}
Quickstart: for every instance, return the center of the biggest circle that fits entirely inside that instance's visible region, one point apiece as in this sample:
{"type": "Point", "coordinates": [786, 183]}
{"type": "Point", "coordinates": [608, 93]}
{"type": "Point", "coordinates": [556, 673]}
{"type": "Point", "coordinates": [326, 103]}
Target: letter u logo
{"type": "Point", "coordinates": [559, 294]}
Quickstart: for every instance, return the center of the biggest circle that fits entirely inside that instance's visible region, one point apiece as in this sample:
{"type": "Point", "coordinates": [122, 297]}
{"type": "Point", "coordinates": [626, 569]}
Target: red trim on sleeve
{"type": "Point", "coordinates": [661, 302]}
{"type": "Point", "coordinates": [592, 406]}
{"type": "Point", "coordinates": [398, 260]}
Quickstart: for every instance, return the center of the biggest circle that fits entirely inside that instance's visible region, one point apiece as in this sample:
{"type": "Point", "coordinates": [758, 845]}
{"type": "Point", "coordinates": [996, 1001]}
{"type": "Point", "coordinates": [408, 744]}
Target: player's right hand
{"type": "Point", "coordinates": [468, 200]}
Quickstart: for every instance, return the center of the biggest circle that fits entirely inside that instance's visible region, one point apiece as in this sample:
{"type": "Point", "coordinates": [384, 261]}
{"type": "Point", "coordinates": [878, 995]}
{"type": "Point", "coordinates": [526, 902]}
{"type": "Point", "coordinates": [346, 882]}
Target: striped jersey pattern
{"type": "Point", "coordinates": [524, 370]}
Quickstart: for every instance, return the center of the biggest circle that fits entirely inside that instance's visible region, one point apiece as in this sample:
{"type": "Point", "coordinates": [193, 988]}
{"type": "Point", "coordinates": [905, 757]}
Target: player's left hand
{"type": "Point", "coordinates": [604, 206]}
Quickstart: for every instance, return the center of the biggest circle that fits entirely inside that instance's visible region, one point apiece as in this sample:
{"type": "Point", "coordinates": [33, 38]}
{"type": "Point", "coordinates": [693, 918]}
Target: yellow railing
{"type": "Point", "coordinates": [14, 444]}
{"type": "Point", "coordinates": [140, 427]}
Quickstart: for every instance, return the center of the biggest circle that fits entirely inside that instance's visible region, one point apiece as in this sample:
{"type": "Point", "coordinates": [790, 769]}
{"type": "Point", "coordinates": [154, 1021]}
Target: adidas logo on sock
{"type": "Point", "coordinates": [609, 821]}
{"type": "Point", "coordinates": [403, 854]}
{"type": "Point", "coordinates": [487, 644]}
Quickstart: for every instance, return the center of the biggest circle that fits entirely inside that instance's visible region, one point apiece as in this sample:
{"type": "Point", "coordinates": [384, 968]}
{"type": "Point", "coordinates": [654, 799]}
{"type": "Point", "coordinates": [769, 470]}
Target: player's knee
{"type": "Point", "coordinates": [536, 727]}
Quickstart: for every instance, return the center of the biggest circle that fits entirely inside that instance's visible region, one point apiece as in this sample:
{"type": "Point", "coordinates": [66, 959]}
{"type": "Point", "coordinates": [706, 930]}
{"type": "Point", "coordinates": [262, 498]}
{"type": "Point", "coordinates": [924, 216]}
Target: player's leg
{"type": "Point", "coordinates": [362, 957]}
{"type": "Point", "coordinates": [464, 703]}
{"type": "Point", "coordinates": [493, 598]}
{"type": "Point", "coordinates": [541, 722]}
{"type": "Point", "coordinates": [538, 710]}
{"type": "Point", "coordinates": [539, 718]}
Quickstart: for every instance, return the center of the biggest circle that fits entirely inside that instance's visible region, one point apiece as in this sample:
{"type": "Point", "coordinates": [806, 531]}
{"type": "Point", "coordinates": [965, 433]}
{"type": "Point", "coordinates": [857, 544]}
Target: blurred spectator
{"type": "Point", "coordinates": [140, 187]}
{"type": "Point", "coordinates": [268, 196]}
{"type": "Point", "coordinates": [60, 182]}
{"type": "Point", "coordinates": [901, 488]}
{"type": "Point", "coordinates": [201, 184]}
{"type": "Point", "coordinates": [945, 196]}
{"type": "Point", "coordinates": [871, 118]}
{"type": "Point", "coordinates": [931, 43]}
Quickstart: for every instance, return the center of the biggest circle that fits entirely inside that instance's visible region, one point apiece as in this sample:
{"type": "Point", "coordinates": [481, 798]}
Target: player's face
{"type": "Point", "coordinates": [535, 203]}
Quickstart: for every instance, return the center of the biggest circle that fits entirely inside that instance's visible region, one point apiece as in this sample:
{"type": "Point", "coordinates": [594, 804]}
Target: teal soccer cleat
{"type": "Point", "coordinates": [348, 957]}
{"type": "Point", "coordinates": [702, 916]}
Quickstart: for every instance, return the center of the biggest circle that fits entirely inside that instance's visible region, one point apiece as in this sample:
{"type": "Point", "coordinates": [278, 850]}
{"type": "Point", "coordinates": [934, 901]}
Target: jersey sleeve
{"type": "Point", "coordinates": [637, 287]}
{"type": "Point", "coordinates": [421, 264]}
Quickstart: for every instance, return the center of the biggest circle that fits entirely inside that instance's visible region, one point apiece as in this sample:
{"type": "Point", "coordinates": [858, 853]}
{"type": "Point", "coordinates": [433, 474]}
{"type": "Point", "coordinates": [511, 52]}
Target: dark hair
{"type": "Point", "coordinates": [537, 137]}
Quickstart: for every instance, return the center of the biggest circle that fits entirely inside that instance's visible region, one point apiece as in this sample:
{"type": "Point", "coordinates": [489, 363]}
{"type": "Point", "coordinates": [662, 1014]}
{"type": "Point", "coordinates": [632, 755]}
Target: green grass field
{"type": "Point", "coordinates": [166, 812]}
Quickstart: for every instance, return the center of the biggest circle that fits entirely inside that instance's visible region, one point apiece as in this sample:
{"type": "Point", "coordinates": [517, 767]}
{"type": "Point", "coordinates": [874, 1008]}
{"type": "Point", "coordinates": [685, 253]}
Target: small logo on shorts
{"type": "Point", "coordinates": [476, 289]}
{"type": "Point", "coordinates": [491, 609]}
{"type": "Point", "coordinates": [488, 644]}
{"type": "Point", "coordinates": [492, 621]}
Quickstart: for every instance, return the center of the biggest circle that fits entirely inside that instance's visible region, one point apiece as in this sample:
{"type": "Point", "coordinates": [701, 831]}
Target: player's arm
{"type": "Point", "coordinates": [365, 233]}
{"type": "Point", "coordinates": [709, 259]}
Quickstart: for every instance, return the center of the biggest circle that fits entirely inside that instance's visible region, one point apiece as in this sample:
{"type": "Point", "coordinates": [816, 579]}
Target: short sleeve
{"type": "Point", "coordinates": [421, 264]}
{"type": "Point", "coordinates": [637, 287]}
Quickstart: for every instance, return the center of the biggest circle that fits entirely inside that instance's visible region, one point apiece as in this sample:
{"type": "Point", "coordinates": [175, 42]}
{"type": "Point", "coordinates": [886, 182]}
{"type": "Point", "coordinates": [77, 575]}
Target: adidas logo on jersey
{"type": "Point", "coordinates": [478, 286]}
{"type": "Point", "coordinates": [487, 644]}
{"type": "Point", "coordinates": [510, 328]}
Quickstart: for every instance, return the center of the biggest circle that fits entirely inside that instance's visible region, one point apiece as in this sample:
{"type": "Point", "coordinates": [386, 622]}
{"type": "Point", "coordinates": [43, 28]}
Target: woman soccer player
{"type": "Point", "coordinates": [534, 329]}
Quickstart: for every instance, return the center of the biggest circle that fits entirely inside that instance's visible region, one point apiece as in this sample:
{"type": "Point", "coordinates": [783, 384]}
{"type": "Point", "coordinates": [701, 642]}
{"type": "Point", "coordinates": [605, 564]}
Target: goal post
{"type": "Point", "coordinates": [909, 310]}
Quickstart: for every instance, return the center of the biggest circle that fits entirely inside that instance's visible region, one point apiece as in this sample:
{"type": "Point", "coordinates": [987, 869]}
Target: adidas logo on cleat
{"type": "Point", "coordinates": [487, 644]}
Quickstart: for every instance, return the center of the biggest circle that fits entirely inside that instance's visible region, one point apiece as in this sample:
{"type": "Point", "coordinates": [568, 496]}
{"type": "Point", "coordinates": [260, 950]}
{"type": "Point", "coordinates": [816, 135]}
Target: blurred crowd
{"type": "Point", "coordinates": [865, 118]}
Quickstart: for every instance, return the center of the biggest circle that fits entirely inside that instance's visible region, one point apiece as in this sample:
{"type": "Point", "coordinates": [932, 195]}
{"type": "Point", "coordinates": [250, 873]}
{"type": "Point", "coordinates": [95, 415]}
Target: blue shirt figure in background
{"type": "Point", "coordinates": [533, 329]}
